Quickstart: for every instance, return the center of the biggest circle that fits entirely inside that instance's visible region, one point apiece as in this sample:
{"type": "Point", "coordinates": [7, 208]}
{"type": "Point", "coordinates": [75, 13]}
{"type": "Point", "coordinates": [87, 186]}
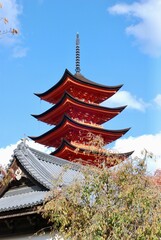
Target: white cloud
{"type": "Point", "coordinates": [149, 142]}
{"type": "Point", "coordinates": [7, 152]}
{"type": "Point", "coordinates": [157, 100]}
{"type": "Point", "coordinates": [126, 98]}
{"type": "Point", "coordinates": [146, 17]}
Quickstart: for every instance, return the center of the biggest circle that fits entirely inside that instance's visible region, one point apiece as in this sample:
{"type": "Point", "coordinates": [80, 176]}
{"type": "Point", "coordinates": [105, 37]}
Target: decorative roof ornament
{"type": "Point", "coordinates": [18, 173]}
{"type": "Point", "coordinates": [77, 69]}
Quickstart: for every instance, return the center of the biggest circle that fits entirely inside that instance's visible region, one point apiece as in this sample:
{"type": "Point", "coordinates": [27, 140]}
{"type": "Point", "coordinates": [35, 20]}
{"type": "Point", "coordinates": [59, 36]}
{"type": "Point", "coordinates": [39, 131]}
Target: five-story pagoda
{"type": "Point", "coordinates": [78, 117]}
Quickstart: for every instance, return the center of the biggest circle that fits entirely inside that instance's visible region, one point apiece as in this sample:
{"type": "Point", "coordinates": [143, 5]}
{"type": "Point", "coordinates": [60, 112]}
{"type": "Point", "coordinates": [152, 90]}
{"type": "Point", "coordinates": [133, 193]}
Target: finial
{"type": "Point", "coordinates": [77, 69]}
{"type": "Point", "coordinates": [24, 139]}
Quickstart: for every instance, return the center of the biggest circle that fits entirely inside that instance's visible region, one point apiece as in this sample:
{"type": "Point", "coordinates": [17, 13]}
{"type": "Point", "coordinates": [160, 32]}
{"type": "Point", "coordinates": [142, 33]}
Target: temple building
{"type": "Point", "coordinates": [28, 181]}
{"type": "Point", "coordinates": [77, 117]}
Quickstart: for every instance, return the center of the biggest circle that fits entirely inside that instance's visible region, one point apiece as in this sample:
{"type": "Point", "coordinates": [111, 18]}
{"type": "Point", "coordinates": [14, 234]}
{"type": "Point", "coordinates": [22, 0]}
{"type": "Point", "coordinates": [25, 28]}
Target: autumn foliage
{"type": "Point", "coordinates": [5, 21]}
{"type": "Point", "coordinates": [6, 176]}
{"type": "Point", "coordinates": [120, 203]}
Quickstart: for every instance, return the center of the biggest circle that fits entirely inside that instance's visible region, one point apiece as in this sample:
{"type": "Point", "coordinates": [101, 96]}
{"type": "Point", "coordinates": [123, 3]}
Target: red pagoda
{"type": "Point", "coordinates": [78, 118]}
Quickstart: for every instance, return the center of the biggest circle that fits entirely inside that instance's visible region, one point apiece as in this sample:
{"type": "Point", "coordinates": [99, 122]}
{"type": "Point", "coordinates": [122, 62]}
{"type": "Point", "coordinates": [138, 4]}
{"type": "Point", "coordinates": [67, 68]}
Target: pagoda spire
{"type": "Point", "coordinates": [77, 69]}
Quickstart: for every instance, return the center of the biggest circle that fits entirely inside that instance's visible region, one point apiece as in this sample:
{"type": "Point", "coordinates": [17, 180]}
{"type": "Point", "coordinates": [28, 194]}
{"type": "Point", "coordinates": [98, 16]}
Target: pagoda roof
{"type": "Point", "coordinates": [72, 130]}
{"type": "Point", "coordinates": [75, 108]}
{"type": "Point", "coordinates": [78, 81]}
{"type": "Point", "coordinates": [68, 151]}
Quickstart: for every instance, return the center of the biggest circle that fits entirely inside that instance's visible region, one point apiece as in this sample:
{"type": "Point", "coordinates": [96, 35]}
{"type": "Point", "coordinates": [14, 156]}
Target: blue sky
{"type": "Point", "coordinates": [120, 43]}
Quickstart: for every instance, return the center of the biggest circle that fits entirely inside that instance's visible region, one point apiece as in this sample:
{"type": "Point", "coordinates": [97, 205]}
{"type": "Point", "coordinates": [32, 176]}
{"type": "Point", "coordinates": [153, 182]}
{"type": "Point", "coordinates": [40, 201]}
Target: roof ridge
{"type": "Point", "coordinates": [32, 164]}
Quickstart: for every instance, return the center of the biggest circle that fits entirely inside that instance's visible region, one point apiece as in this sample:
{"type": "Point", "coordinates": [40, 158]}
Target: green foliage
{"type": "Point", "coordinates": [121, 203]}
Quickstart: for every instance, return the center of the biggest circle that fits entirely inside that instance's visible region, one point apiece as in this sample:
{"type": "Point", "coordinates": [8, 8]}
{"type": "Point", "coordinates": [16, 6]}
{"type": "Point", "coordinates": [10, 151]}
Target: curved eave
{"type": "Point", "coordinates": [67, 151]}
{"type": "Point", "coordinates": [48, 116]}
{"type": "Point", "coordinates": [53, 137]}
{"type": "Point", "coordinates": [79, 79]}
{"type": "Point", "coordinates": [32, 165]}
{"type": "Point", "coordinates": [72, 147]}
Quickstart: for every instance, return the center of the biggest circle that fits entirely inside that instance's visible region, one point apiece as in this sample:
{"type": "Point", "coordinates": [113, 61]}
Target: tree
{"type": "Point", "coordinates": [6, 175]}
{"type": "Point", "coordinates": [4, 21]}
{"type": "Point", "coordinates": [120, 203]}
{"type": "Point", "coordinates": [157, 177]}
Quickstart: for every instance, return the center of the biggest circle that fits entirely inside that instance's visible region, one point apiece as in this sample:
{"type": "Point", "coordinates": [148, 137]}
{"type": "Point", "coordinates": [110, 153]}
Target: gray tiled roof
{"type": "Point", "coordinates": [45, 169]}
{"type": "Point", "coordinates": [22, 200]}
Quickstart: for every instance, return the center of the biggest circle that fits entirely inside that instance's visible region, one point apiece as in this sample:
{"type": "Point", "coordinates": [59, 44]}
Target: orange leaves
{"type": "Point", "coordinates": [5, 20]}
{"type": "Point", "coordinates": [14, 31]}
{"type": "Point", "coordinates": [6, 176]}
{"type": "Point", "coordinates": [157, 177]}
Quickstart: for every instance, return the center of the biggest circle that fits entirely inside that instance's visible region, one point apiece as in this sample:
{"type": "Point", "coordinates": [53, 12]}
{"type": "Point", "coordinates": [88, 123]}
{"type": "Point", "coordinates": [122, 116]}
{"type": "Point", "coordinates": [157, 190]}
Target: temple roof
{"type": "Point", "coordinates": [44, 167]}
{"type": "Point", "coordinates": [45, 170]}
{"type": "Point", "coordinates": [74, 107]}
{"type": "Point", "coordinates": [91, 157]}
{"type": "Point", "coordinates": [73, 83]}
{"type": "Point", "coordinates": [72, 130]}
{"type": "Point", "coordinates": [22, 200]}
